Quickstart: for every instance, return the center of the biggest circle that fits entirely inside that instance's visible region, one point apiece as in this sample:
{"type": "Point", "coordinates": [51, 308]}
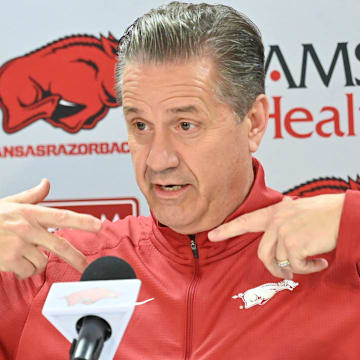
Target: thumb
{"type": "Point", "coordinates": [255, 221]}
{"type": "Point", "coordinates": [31, 196]}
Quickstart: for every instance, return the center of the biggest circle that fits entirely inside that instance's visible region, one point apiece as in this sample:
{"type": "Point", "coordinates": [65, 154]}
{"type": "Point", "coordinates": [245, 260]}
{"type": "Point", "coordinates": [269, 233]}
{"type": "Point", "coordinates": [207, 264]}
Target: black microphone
{"type": "Point", "coordinates": [93, 330]}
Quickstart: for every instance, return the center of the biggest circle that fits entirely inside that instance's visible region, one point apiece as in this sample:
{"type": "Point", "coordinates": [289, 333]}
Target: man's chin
{"type": "Point", "coordinates": [181, 223]}
{"type": "Point", "coordinates": [174, 220]}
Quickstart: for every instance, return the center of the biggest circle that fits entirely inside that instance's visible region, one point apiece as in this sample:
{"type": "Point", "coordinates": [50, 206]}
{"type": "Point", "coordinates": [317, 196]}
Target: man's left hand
{"type": "Point", "coordinates": [294, 230]}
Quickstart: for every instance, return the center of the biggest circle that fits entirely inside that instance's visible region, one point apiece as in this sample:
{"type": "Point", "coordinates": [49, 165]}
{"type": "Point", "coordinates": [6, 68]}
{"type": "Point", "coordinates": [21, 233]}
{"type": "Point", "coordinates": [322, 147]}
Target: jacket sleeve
{"type": "Point", "coordinates": [16, 297]}
{"type": "Point", "coordinates": [348, 246]}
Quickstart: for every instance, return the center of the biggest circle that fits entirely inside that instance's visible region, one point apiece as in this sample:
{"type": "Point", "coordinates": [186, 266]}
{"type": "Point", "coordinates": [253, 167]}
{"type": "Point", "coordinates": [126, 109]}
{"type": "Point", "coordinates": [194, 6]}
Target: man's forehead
{"type": "Point", "coordinates": [178, 88]}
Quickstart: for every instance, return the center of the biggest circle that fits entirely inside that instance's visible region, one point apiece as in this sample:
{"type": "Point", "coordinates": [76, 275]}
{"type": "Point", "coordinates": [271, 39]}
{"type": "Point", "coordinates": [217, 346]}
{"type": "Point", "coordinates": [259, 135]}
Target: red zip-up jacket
{"type": "Point", "coordinates": [213, 301]}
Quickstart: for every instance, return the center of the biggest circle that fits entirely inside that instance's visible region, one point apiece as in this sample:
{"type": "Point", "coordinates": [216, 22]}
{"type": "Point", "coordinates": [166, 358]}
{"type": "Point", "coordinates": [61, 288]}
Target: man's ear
{"type": "Point", "coordinates": [257, 118]}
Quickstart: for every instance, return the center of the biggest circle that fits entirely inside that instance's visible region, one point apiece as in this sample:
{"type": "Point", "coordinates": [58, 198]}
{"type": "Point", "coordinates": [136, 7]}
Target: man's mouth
{"type": "Point", "coordinates": [171, 187]}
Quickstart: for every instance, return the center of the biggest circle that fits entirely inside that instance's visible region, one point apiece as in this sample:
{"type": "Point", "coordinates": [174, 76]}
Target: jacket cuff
{"type": "Point", "coordinates": [348, 245]}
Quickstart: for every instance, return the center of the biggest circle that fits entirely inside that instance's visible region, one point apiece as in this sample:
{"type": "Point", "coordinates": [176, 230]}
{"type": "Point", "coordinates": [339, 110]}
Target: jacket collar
{"type": "Point", "coordinates": [177, 246]}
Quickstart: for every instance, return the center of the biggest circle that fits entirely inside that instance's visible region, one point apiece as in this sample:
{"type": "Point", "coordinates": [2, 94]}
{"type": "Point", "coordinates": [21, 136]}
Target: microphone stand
{"type": "Point", "coordinates": [93, 332]}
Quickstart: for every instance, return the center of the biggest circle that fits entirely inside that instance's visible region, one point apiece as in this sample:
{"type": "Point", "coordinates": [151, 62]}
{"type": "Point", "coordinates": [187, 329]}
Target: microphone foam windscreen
{"type": "Point", "coordinates": [108, 268]}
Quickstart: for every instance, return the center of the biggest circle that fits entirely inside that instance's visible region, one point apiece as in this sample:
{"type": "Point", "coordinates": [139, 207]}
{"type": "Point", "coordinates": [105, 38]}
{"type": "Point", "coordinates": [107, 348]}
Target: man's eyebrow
{"type": "Point", "coordinates": [184, 109]}
{"type": "Point", "coordinates": [131, 110]}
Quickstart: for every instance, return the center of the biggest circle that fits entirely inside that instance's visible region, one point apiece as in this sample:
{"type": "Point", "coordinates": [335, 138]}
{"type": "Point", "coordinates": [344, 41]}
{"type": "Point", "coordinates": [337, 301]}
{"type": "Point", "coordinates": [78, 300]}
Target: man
{"type": "Point", "coordinates": [191, 81]}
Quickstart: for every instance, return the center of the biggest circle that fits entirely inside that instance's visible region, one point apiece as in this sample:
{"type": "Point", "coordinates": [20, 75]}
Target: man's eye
{"type": "Point", "coordinates": [140, 125]}
{"type": "Point", "coordinates": [185, 125]}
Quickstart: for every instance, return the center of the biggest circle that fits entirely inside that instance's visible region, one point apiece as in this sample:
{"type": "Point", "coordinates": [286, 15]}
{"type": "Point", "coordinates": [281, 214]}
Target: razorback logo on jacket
{"type": "Point", "coordinates": [69, 83]}
{"type": "Point", "coordinates": [260, 295]}
{"type": "Point", "coordinates": [328, 185]}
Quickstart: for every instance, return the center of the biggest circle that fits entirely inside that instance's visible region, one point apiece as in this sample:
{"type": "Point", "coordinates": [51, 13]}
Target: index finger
{"type": "Point", "coordinates": [62, 248]}
{"type": "Point", "coordinates": [255, 221]}
{"type": "Point", "coordinates": [59, 218]}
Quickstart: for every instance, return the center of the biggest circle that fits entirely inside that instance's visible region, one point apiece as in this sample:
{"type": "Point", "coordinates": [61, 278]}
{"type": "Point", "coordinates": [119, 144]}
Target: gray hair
{"type": "Point", "coordinates": [179, 31]}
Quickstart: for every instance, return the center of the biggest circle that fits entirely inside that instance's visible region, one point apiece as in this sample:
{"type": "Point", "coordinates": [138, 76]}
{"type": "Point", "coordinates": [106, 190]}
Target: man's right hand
{"type": "Point", "coordinates": [24, 232]}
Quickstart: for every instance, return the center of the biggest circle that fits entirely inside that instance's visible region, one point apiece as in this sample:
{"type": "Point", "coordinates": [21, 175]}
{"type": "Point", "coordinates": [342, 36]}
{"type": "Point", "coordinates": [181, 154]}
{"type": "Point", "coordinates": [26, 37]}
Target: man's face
{"type": "Point", "coordinates": [191, 156]}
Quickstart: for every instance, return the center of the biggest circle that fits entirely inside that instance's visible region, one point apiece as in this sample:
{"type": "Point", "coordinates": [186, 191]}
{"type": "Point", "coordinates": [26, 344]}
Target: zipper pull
{"type": "Point", "coordinates": [193, 246]}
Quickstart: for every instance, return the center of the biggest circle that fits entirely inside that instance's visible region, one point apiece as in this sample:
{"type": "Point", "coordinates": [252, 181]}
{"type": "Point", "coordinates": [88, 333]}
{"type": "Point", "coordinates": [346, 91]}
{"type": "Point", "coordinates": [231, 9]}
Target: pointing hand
{"type": "Point", "coordinates": [293, 230]}
{"type": "Point", "coordinates": [23, 232]}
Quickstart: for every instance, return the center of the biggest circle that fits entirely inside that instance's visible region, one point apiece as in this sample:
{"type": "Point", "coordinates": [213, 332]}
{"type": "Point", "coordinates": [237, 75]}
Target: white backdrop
{"type": "Point", "coordinates": [313, 52]}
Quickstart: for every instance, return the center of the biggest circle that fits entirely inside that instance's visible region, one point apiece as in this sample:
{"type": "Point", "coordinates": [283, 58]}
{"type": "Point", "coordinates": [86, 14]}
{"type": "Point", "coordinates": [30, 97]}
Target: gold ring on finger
{"type": "Point", "coordinates": [283, 263]}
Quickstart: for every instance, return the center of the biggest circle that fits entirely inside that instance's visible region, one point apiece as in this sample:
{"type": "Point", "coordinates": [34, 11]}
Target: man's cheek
{"type": "Point", "coordinates": [135, 151]}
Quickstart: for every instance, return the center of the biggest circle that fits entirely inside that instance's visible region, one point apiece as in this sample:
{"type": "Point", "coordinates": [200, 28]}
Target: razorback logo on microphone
{"type": "Point", "coordinates": [69, 83]}
{"type": "Point", "coordinates": [90, 296]}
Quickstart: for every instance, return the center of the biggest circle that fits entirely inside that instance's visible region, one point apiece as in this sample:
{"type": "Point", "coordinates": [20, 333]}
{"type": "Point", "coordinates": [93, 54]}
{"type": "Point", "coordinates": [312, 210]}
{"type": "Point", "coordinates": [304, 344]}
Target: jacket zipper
{"type": "Point", "coordinates": [190, 299]}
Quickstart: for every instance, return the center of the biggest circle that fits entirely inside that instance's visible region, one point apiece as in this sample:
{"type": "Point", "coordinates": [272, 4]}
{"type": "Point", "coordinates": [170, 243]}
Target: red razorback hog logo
{"type": "Point", "coordinates": [69, 83]}
{"type": "Point", "coordinates": [90, 296]}
{"type": "Point", "coordinates": [330, 185]}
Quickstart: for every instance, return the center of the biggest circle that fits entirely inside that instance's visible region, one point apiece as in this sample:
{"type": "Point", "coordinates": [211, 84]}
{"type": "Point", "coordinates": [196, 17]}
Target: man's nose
{"type": "Point", "coordinates": [162, 154]}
